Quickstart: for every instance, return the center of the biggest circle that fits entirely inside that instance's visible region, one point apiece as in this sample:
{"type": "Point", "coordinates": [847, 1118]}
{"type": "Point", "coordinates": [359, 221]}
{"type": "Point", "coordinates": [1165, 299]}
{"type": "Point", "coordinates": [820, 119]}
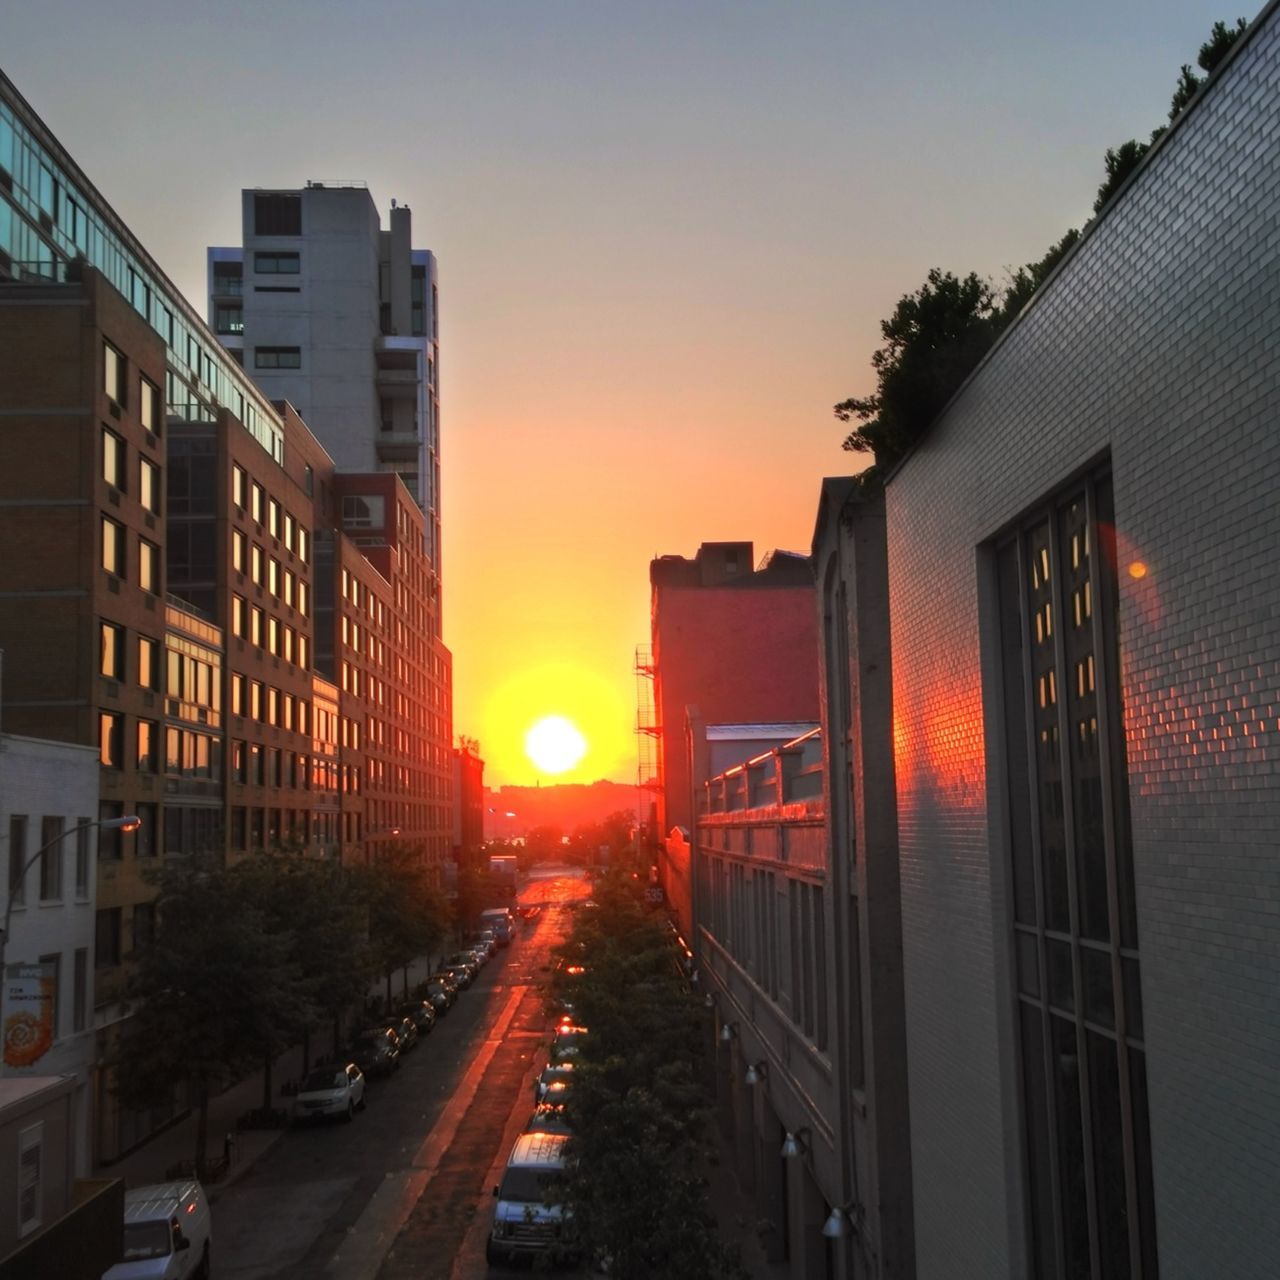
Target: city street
{"type": "Point", "coordinates": [405, 1190]}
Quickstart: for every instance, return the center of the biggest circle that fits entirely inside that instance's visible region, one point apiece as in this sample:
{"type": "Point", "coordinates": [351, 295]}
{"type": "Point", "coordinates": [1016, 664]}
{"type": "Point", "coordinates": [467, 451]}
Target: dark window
{"type": "Point", "coordinates": [83, 860]}
{"type": "Point", "coordinates": [277, 215]}
{"type": "Point", "coordinates": [228, 319]}
{"type": "Point", "coordinates": [148, 666]}
{"type": "Point", "coordinates": [113, 544]}
{"type": "Point", "coordinates": [277, 357]}
{"type": "Point", "coordinates": [276, 264]}
{"type": "Point", "coordinates": [110, 840]}
{"type": "Point", "coordinates": [148, 566]}
{"type": "Point", "coordinates": [51, 830]}
{"type": "Point", "coordinates": [113, 459]}
{"type": "Point", "coordinates": [149, 408]}
{"type": "Point", "coordinates": [80, 992]}
{"type": "Point", "coordinates": [106, 950]}
{"type": "Point", "coordinates": [228, 279]}
{"type": "Point", "coordinates": [111, 740]}
{"type": "Point", "coordinates": [148, 746]}
{"type": "Point", "coordinates": [1074, 945]}
{"type": "Point", "coordinates": [17, 856]}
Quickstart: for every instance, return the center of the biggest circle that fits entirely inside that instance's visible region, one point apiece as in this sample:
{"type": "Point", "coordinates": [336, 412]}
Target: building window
{"type": "Point", "coordinates": [111, 651]}
{"type": "Point", "coordinates": [144, 839]}
{"type": "Point", "coordinates": [84, 859]}
{"type": "Point", "coordinates": [1074, 945]}
{"type": "Point", "coordinates": [113, 368]}
{"type": "Point", "coordinates": [149, 408]}
{"type": "Point", "coordinates": [113, 458]}
{"type": "Point", "coordinates": [257, 501]}
{"type": "Point", "coordinates": [363, 513]}
{"type": "Point", "coordinates": [239, 762]}
{"type": "Point", "coordinates": [273, 576]}
{"type": "Point", "coordinates": [239, 607]}
{"type": "Point", "coordinates": [304, 542]}
{"type": "Point", "coordinates": [148, 665]}
{"type": "Point", "coordinates": [239, 488]}
{"type": "Point", "coordinates": [256, 561]}
{"type": "Point", "coordinates": [80, 991]}
{"type": "Point", "coordinates": [273, 636]}
{"type": "Point", "coordinates": [238, 550]}
{"type": "Point", "coordinates": [148, 566]}
{"type": "Point", "coordinates": [113, 547]}
{"type": "Point", "coordinates": [288, 531]}
{"type": "Point", "coordinates": [148, 746]}
{"type": "Point", "coordinates": [277, 357]}
{"type": "Point", "coordinates": [228, 319]}
{"type": "Point", "coordinates": [255, 700]}
{"type": "Point", "coordinates": [273, 518]}
{"type": "Point", "coordinates": [277, 215]}
{"type": "Point", "coordinates": [149, 486]}
{"type": "Point", "coordinates": [17, 857]}
{"type": "Point", "coordinates": [51, 859]}
{"type": "Point", "coordinates": [255, 626]}
{"type": "Point", "coordinates": [106, 946]}
{"type": "Point", "coordinates": [111, 740]}
{"type": "Point", "coordinates": [237, 695]}
{"type": "Point", "coordinates": [277, 264]}
{"type": "Point", "coordinates": [257, 774]}
{"type": "Point", "coordinates": [144, 927]}
{"type": "Point", "coordinates": [228, 279]}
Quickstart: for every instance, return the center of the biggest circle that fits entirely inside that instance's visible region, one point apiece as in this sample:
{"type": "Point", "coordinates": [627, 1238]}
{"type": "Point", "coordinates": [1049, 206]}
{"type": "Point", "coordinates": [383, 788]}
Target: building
{"type": "Point", "coordinates": [248, 637]}
{"type": "Point", "coordinates": [341, 318]}
{"type": "Point", "coordinates": [468, 804]}
{"type": "Point", "coordinates": [1086, 669]}
{"type": "Point", "coordinates": [730, 645]}
{"type": "Point", "coordinates": [49, 801]}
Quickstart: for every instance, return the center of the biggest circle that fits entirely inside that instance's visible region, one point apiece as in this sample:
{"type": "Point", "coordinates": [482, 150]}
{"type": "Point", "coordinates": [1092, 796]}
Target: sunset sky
{"type": "Point", "coordinates": [667, 233]}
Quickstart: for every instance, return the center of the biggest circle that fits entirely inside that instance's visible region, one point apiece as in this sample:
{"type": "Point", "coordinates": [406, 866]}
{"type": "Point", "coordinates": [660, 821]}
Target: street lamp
{"type": "Point", "coordinates": [130, 822]}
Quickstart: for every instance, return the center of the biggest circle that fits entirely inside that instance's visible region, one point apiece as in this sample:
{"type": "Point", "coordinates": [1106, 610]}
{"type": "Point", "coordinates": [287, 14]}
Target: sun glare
{"type": "Point", "coordinates": [554, 744]}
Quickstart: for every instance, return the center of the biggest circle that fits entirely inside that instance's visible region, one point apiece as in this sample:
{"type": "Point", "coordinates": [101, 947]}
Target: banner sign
{"type": "Point", "coordinates": [29, 997]}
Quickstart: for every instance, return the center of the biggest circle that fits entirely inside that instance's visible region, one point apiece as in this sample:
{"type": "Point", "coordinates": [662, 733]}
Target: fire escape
{"type": "Point", "coordinates": [648, 738]}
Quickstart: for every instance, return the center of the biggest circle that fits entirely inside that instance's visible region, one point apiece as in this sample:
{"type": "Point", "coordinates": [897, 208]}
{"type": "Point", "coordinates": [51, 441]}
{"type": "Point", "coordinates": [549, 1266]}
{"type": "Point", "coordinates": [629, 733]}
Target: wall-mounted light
{"type": "Point", "coordinates": [728, 1032]}
{"type": "Point", "coordinates": [841, 1221]}
{"type": "Point", "coordinates": [756, 1072]}
{"type": "Point", "coordinates": [795, 1144]}
{"type": "Point", "coordinates": [710, 1000]}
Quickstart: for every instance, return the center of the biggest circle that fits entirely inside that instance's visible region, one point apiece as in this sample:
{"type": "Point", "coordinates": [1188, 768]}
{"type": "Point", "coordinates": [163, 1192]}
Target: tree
{"type": "Point", "coordinates": [213, 989]}
{"type": "Point", "coordinates": [406, 915]}
{"type": "Point", "coordinates": [633, 1187]}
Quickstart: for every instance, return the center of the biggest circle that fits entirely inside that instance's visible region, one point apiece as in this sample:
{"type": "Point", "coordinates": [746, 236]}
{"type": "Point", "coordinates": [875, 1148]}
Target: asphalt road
{"type": "Point", "coordinates": [405, 1192]}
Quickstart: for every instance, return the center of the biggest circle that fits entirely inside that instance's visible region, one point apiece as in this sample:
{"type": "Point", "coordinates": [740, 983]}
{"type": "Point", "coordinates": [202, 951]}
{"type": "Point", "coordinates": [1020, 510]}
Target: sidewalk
{"type": "Point", "coordinates": [178, 1142]}
{"type": "Point", "coordinates": [735, 1213]}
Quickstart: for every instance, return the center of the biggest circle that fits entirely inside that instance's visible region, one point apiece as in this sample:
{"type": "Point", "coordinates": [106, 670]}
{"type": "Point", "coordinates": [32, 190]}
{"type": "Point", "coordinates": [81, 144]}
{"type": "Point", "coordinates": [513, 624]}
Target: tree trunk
{"type": "Point", "coordinates": [388, 990]}
{"type": "Point", "coordinates": [268, 1062]}
{"type": "Point", "coordinates": [202, 1127]}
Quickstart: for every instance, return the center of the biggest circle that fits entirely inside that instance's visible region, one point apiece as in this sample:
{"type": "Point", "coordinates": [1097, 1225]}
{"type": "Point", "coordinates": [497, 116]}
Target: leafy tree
{"type": "Point", "coordinates": [406, 915]}
{"type": "Point", "coordinates": [213, 989]}
{"type": "Point", "coordinates": [633, 1189]}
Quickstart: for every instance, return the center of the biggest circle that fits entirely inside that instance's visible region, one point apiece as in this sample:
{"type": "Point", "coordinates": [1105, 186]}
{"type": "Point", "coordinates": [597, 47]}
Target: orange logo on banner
{"type": "Point", "coordinates": [28, 1021]}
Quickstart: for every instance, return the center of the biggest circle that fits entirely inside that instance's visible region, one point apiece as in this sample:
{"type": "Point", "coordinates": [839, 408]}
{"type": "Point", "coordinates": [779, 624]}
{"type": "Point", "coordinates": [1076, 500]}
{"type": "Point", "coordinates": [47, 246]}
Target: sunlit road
{"type": "Point", "coordinates": [404, 1193]}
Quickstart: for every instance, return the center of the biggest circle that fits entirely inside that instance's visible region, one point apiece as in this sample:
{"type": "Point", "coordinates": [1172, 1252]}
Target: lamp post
{"type": "Point", "coordinates": [130, 822]}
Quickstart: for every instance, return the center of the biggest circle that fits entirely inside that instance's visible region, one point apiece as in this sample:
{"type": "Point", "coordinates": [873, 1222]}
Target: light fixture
{"type": "Point", "coordinates": [796, 1143]}
{"type": "Point", "coordinates": [756, 1072]}
{"type": "Point", "coordinates": [709, 1001]}
{"type": "Point", "coordinates": [728, 1031]}
{"type": "Point", "coordinates": [840, 1223]}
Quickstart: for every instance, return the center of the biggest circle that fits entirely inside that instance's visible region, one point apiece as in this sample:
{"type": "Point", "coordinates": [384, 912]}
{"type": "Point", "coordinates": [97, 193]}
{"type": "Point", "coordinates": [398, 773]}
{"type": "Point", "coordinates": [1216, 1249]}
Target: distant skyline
{"type": "Point", "coordinates": [667, 233]}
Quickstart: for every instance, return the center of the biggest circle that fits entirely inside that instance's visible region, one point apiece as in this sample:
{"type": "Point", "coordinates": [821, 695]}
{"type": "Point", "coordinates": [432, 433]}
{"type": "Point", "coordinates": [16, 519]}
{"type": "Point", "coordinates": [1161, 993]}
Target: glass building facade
{"type": "Point", "coordinates": [51, 216]}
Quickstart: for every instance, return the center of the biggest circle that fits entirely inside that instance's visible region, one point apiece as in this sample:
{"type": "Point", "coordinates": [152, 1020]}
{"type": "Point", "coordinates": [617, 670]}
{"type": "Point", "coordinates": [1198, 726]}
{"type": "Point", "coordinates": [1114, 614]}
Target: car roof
{"type": "Point", "coordinates": [160, 1200]}
{"type": "Point", "coordinates": [538, 1149]}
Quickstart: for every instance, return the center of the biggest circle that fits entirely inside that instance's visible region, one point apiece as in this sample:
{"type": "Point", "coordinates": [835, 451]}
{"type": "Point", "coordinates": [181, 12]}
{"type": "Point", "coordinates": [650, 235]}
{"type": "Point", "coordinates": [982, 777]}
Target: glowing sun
{"type": "Point", "coordinates": [554, 744]}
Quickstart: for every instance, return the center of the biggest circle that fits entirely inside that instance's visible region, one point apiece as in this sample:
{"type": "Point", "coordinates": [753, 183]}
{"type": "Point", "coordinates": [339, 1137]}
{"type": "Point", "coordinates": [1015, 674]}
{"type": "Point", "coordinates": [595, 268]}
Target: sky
{"type": "Point", "coordinates": [667, 232]}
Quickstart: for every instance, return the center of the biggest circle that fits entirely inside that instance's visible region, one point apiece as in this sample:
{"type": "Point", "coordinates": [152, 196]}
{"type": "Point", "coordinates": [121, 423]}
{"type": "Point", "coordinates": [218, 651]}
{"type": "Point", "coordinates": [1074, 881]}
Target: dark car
{"type": "Point", "coordinates": [548, 1117]}
{"type": "Point", "coordinates": [442, 991]}
{"type": "Point", "coordinates": [376, 1051]}
{"type": "Point", "coordinates": [567, 1041]}
{"type": "Point", "coordinates": [422, 1013]}
{"type": "Point", "coordinates": [405, 1029]}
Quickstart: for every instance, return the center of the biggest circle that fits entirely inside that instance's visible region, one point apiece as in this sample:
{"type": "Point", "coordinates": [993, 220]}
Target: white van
{"type": "Point", "coordinates": [500, 920]}
{"type": "Point", "coordinates": [524, 1224]}
{"type": "Point", "coordinates": [168, 1233]}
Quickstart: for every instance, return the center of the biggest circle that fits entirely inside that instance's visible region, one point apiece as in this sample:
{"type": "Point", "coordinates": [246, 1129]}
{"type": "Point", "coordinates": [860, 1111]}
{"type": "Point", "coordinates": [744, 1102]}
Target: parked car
{"type": "Point", "coordinates": [552, 1073]}
{"type": "Point", "coordinates": [405, 1028]}
{"type": "Point", "coordinates": [168, 1233]}
{"type": "Point", "coordinates": [524, 1224]}
{"type": "Point", "coordinates": [465, 961]}
{"type": "Point", "coordinates": [530, 912]}
{"type": "Point", "coordinates": [335, 1090]}
{"type": "Point", "coordinates": [567, 1041]}
{"type": "Point", "coordinates": [442, 991]}
{"type": "Point", "coordinates": [548, 1117]}
{"type": "Point", "coordinates": [376, 1051]}
{"type": "Point", "coordinates": [422, 1013]}
{"type": "Point", "coordinates": [501, 921]}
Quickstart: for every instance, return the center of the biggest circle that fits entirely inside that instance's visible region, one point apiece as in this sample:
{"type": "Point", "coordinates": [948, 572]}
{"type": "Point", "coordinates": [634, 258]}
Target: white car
{"type": "Point", "coordinates": [168, 1233]}
{"type": "Point", "coordinates": [330, 1091]}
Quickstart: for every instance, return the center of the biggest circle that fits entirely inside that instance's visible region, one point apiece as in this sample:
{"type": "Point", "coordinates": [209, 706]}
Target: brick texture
{"type": "Point", "coordinates": [1156, 344]}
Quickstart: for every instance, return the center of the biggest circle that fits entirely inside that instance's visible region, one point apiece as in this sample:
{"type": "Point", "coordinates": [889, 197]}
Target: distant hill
{"type": "Point", "coordinates": [567, 805]}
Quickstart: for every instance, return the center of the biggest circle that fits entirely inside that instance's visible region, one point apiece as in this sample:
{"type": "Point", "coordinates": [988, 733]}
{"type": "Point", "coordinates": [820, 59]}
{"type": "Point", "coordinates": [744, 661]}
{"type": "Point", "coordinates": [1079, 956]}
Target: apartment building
{"type": "Point", "coordinates": [176, 585]}
{"type": "Point", "coordinates": [730, 643]}
{"type": "Point", "coordinates": [340, 317]}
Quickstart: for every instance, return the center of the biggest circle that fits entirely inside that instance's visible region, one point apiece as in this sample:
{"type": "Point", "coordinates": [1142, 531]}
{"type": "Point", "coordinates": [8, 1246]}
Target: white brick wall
{"type": "Point", "coordinates": [1159, 342]}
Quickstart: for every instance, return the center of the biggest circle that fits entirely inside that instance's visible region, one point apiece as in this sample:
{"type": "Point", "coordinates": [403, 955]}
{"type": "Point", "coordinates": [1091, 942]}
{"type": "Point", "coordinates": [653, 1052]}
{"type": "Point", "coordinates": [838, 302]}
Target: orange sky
{"type": "Point", "coordinates": [666, 233]}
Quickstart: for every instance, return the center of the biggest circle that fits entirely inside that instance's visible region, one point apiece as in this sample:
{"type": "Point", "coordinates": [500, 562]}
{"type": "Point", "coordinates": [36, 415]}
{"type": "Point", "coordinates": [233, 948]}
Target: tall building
{"type": "Point", "coordinates": [326, 309]}
{"type": "Point", "coordinates": [248, 635]}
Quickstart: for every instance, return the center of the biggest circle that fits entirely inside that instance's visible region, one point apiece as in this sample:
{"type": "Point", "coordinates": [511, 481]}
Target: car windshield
{"type": "Point", "coordinates": [318, 1080]}
{"type": "Point", "coordinates": [527, 1185]}
{"type": "Point", "coordinates": [146, 1240]}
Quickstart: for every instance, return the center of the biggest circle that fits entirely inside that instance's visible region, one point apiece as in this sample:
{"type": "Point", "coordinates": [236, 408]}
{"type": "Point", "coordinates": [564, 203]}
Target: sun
{"type": "Point", "coordinates": [554, 744]}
